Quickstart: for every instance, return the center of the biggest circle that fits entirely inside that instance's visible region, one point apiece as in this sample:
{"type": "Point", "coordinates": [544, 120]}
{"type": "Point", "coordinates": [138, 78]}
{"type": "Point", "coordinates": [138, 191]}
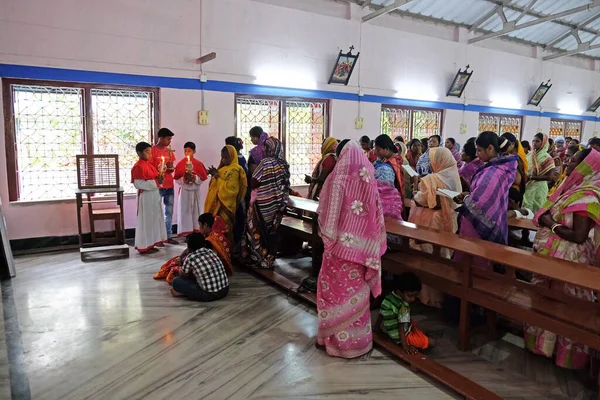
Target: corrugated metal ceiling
{"type": "Point", "coordinates": [468, 12]}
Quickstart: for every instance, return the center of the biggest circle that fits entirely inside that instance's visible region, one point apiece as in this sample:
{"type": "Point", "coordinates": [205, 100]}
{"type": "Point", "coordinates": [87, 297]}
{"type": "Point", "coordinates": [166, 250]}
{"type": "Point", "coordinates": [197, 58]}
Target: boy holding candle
{"type": "Point", "coordinates": [150, 229]}
{"type": "Point", "coordinates": [189, 174]}
{"type": "Point", "coordinates": [163, 158]}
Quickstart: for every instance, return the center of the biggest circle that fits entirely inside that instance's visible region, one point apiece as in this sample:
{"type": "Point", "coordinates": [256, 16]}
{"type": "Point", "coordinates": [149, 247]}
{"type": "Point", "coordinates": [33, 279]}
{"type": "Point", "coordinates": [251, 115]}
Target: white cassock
{"type": "Point", "coordinates": [150, 228]}
{"type": "Point", "coordinates": [189, 206]}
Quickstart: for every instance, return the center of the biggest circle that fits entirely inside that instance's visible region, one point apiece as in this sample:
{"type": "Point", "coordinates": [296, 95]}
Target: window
{"type": "Point", "coordinates": [410, 122]}
{"type": "Point", "coordinates": [563, 127]}
{"type": "Point", "coordinates": [301, 131]}
{"type": "Point", "coordinates": [49, 123]}
{"type": "Point", "coordinates": [501, 124]}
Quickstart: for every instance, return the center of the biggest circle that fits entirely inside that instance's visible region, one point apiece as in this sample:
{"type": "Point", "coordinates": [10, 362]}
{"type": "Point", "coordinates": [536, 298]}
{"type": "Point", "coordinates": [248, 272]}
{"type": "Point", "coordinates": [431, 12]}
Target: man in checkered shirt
{"type": "Point", "coordinates": [203, 275]}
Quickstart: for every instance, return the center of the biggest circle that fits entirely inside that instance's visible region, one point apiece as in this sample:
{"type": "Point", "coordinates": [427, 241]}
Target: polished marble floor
{"type": "Point", "coordinates": [107, 330]}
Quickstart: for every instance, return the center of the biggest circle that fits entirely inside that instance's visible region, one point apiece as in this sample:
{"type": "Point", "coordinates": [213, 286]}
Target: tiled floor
{"type": "Point", "coordinates": [107, 330]}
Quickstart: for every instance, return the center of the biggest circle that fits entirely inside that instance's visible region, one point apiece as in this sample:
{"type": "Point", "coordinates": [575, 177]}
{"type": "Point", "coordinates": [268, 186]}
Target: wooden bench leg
{"type": "Point", "coordinates": [491, 318]}
{"type": "Point", "coordinates": [465, 323]}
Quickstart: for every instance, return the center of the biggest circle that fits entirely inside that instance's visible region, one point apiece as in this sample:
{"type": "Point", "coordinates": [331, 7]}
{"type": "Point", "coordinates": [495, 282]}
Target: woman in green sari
{"type": "Point", "coordinates": [541, 171]}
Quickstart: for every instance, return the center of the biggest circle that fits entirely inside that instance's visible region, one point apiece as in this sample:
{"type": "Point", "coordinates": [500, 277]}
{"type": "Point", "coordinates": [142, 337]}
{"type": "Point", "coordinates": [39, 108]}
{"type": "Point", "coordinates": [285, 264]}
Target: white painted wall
{"type": "Point", "coordinates": [272, 42]}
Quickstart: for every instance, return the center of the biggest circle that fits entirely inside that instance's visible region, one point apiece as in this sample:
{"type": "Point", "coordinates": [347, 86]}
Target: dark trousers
{"type": "Point", "coordinates": [192, 290]}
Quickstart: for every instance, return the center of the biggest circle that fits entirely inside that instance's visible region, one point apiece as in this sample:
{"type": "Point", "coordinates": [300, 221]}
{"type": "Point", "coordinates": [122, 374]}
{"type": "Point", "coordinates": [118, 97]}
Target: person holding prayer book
{"type": "Point", "coordinates": [150, 230]}
{"type": "Point", "coordinates": [163, 158]}
{"type": "Point", "coordinates": [189, 174]}
{"type": "Point", "coordinates": [431, 209]}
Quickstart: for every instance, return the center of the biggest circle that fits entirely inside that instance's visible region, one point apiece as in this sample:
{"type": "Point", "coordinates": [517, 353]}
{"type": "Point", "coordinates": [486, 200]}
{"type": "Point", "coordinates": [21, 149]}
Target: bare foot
{"type": "Point", "coordinates": [172, 241]}
{"type": "Point", "coordinates": [175, 293]}
{"type": "Point", "coordinates": [320, 346]}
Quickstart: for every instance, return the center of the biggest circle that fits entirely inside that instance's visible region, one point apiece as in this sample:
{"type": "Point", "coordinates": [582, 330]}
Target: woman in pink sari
{"type": "Point", "coordinates": [353, 233]}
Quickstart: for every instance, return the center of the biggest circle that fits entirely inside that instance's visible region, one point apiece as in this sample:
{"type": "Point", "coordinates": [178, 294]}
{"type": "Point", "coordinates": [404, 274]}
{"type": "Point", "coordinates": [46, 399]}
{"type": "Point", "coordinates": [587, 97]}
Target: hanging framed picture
{"type": "Point", "coordinates": [539, 93]}
{"type": "Point", "coordinates": [594, 105]}
{"type": "Point", "coordinates": [344, 65]}
{"type": "Point", "coordinates": [460, 82]}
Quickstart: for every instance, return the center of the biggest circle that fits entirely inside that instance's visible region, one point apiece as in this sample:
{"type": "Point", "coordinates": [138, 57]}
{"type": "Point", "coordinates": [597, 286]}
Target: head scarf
{"type": "Point", "coordinates": [230, 188]}
{"type": "Point", "coordinates": [401, 148]}
{"type": "Point", "coordinates": [221, 245]}
{"type": "Point", "coordinates": [329, 145]}
{"type": "Point", "coordinates": [522, 157]}
{"type": "Point", "coordinates": [258, 152]}
{"type": "Point", "coordinates": [559, 139]}
{"type": "Point", "coordinates": [423, 165]}
{"type": "Point", "coordinates": [444, 176]}
{"type": "Point", "coordinates": [273, 174]}
{"type": "Point", "coordinates": [350, 215]}
{"type": "Point", "coordinates": [455, 151]}
{"type": "Point", "coordinates": [541, 162]}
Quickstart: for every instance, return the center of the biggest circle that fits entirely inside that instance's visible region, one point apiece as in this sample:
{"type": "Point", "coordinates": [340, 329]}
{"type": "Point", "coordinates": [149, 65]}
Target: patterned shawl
{"type": "Point", "coordinates": [579, 192]}
{"type": "Point", "coordinates": [423, 165]}
{"type": "Point", "coordinates": [540, 160]}
{"type": "Point", "coordinates": [230, 188]}
{"type": "Point", "coordinates": [444, 176]}
{"type": "Point", "coordinates": [350, 215]}
{"type": "Point", "coordinates": [258, 152]}
{"type": "Point", "coordinates": [327, 150]}
{"type": "Point", "coordinates": [220, 244]}
{"type": "Point", "coordinates": [469, 169]}
{"type": "Point", "coordinates": [487, 205]}
{"type": "Point", "coordinates": [456, 154]}
{"type": "Point", "coordinates": [273, 176]}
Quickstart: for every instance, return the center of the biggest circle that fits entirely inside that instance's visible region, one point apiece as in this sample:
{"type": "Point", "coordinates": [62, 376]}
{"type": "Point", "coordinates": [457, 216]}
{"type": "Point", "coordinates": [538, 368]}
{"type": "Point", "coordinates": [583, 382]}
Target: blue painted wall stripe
{"type": "Point", "coordinates": [73, 75]}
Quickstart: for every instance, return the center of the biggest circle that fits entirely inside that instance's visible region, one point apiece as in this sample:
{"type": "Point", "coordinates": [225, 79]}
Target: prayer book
{"type": "Point", "coordinates": [410, 171]}
{"type": "Point", "coordinates": [447, 193]}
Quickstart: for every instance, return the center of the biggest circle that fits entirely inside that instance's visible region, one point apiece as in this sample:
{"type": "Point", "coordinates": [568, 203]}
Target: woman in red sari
{"type": "Point", "coordinates": [215, 231]}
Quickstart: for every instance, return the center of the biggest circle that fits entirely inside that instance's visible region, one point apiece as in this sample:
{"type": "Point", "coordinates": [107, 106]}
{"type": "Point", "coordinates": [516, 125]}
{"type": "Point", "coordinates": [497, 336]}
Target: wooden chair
{"type": "Point", "coordinates": [98, 175]}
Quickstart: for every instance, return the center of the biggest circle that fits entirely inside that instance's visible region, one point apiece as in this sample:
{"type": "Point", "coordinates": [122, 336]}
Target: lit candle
{"type": "Point", "coordinates": [163, 159]}
{"type": "Point", "coordinates": [188, 158]}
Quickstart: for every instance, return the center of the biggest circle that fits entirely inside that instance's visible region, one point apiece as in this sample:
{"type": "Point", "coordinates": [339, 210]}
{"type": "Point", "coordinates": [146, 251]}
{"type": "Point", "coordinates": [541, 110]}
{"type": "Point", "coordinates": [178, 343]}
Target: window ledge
{"type": "Point", "coordinates": [25, 203]}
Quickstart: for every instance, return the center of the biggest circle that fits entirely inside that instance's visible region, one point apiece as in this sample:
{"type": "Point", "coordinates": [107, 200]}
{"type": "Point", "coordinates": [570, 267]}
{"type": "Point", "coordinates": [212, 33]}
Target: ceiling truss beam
{"type": "Point", "coordinates": [581, 48]}
{"type": "Point", "coordinates": [511, 26]}
{"type": "Point", "coordinates": [506, 4]}
{"type": "Point", "coordinates": [384, 10]}
{"type": "Point", "coordinates": [575, 31]}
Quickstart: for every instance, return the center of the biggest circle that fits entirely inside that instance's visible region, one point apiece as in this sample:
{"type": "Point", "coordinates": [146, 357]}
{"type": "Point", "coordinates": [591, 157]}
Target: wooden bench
{"type": "Point", "coordinates": [301, 221]}
{"type": "Point", "coordinates": [501, 293]}
{"type": "Point", "coordinates": [522, 223]}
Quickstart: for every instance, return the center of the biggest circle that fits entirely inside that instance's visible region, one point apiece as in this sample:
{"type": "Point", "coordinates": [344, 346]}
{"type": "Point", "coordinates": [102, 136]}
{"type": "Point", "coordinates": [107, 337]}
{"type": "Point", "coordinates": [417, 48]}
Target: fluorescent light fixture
{"type": "Point", "coordinates": [505, 101]}
{"type": "Point", "coordinates": [570, 106]}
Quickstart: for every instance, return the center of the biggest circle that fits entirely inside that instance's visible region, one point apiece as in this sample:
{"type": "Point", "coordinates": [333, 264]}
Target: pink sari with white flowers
{"type": "Point", "coordinates": [353, 231]}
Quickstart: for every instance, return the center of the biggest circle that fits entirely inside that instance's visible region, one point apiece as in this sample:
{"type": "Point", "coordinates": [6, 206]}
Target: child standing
{"type": "Point", "coordinates": [162, 153]}
{"type": "Point", "coordinates": [203, 276]}
{"type": "Point", "coordinates": [189, 174]}
{"type": "Point", "coordinates": [150, 228]}
{"type": "Point", "coordinates": [395, 313]}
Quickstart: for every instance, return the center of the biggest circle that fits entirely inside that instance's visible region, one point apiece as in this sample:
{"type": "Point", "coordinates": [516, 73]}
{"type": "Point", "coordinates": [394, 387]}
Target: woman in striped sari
{"type": "Point", "coordinates": [270, 186]}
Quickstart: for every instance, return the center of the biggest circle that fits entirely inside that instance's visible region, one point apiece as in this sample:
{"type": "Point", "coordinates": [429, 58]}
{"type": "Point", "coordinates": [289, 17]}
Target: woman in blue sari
{"type": "Point", "coordinates": [423, 165]}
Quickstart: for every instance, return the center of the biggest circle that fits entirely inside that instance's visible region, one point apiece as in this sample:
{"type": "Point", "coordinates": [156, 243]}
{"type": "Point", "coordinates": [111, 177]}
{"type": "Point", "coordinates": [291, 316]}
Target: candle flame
{"type": "Point", "coordinates": [163, 159]}
{"type": "Point", "coordinates": [188, 158]}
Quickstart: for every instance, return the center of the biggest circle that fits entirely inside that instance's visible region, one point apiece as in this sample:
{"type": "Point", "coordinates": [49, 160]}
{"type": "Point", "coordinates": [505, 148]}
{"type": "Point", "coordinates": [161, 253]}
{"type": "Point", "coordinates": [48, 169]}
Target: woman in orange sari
{"type": "Point", "coordinates": [322, 169]}
{"type": "Point", "coordinates": [214, 230]}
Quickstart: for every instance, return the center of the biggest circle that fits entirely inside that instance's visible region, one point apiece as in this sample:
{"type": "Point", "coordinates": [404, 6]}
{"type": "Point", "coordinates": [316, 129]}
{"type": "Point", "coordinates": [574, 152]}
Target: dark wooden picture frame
{"type": "Point", "coordinates": [460, 82]}
{"type": "Point", "coordinates": [539, 94]}
{"type": "Point", "coordinates": [344, 65]}
{"type": "Point", "coordinates": [594, 105]}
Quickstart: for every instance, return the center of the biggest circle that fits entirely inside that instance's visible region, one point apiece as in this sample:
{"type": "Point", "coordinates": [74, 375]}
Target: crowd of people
{"type": "Point", "coordinates": [470, 191]}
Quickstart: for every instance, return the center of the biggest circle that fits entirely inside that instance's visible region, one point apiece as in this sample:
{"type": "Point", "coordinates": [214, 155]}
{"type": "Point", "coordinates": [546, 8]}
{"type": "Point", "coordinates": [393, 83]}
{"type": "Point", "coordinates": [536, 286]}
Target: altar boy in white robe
{"type": "Point", "coordinates": [150, 228]}
{"type": "Point", "coordinates": [189, 174]}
